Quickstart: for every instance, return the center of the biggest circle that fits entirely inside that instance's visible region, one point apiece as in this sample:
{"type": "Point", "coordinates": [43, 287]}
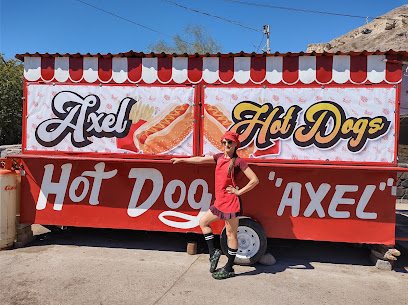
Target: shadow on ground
{"type": "Point", "coordinates": [290, 254]}
{"type": "Point", "coordinates": [118, 238]}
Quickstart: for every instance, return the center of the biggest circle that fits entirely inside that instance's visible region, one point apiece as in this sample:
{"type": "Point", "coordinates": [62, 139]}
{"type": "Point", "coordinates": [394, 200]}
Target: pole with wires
{"type": "Point", "coordinates": [266, 31]}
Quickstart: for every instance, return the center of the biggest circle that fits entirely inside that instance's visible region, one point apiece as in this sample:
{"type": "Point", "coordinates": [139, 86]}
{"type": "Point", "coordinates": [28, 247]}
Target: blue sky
{"type": "Point", "coordinates": [70, 26]}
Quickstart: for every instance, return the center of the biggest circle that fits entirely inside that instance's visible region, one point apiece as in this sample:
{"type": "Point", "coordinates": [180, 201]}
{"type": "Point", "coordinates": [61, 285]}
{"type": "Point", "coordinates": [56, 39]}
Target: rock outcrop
{"type": "Point", "coordinates": [389, 31]}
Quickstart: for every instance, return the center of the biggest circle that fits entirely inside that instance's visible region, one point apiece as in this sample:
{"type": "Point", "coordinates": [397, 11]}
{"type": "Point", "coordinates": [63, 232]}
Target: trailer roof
{"type": "Point", "coordinates": [400, 54]}
{"type": "Point", "coordinates": [239, 68]}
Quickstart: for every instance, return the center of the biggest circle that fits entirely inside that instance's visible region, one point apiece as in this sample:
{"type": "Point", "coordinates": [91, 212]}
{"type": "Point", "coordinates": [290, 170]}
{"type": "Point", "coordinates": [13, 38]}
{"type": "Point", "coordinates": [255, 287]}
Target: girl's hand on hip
{"type": "Point", "coordinates": [232, 190]}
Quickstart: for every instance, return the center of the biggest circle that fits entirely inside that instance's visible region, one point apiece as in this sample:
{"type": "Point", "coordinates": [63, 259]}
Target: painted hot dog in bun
{"type": "Point", "coordinates": [215, 124]}
{"type": "Point", "coordinates": [167, 130]}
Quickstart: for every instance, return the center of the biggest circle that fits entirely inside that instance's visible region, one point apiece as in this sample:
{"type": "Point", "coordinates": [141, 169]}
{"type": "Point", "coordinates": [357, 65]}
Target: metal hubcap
{"type": "Point", "coordinates": [248, 242]}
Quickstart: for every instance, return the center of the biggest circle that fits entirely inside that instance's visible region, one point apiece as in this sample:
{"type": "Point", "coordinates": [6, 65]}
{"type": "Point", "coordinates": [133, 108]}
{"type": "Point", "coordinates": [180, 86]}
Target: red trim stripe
{"type": "Point", "coordinates": [324, 69]}
{"type": "Point", "coordinates": [47, 68]}
{"type": "Point", "coordinates": [393, 71]}
{"type": "Point", "coordinates": [195, 69]}
{"type": "Point", "coordinates": [358, 69]}
{"type": "Point", "coordinates": [258, 69]}
{"type": "Point", "coordinates": [226, 69]}
{"type": "Point", "coordinates": [164, 71]}
{"type": "Point", "coordinates": [76, 68]}
{"type": "Point", "coordinates": [290, 69]}
{"type": "Point", "coordinates": [134, 69]}
{"type": "Point", "coordinates": [105, 69]}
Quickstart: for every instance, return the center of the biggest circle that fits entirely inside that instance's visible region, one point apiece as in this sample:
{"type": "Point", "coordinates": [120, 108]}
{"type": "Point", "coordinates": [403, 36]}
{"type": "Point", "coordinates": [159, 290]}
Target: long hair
{"type": "Point", "coordinates": [232, 163]}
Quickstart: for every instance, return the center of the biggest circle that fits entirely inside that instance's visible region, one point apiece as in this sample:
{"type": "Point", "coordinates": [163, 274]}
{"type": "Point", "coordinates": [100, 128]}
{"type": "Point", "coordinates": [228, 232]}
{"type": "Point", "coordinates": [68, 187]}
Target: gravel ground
{"type": "Point", "coordinates": [106, 266]}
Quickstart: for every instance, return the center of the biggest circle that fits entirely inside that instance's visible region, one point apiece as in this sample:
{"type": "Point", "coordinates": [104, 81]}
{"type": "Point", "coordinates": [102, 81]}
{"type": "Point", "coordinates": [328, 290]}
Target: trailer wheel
{"type": "Point", "coordinates": [252, 242]}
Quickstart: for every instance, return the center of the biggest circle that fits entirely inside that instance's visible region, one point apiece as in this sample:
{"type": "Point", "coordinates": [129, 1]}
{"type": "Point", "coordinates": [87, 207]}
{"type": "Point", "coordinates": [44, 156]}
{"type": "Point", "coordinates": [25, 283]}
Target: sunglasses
{"type": "Point", "coordinates": [224, 142]}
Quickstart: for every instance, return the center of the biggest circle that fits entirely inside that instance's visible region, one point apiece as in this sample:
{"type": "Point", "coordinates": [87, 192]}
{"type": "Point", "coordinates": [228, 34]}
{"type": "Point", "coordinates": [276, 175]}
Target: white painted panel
{"type": "Point", "coordinates": [211, 66]}
{"type": "Point", "coordinates": [274, 66]}
{"type": "Point", "coordinates": [91, 69]}
{"type": "Point", "coordinates": [119, 69]}
{"type": "Point", "coordinates": [341, 69]}
{"type": "Point", "coordinates": [179, 69]}
{"type": "Point", "coordinates": [242, 66]}
{"type": "Point", "coordinates": [32, 68]}
{"type": "Point", "coordinates": [376, 67]}
{"type": "Point", "coordinates": [307, 69]}
{"type": "Point", "coordinates": [149, 70]}
{"type": "Point", "coordinates": [61, 72]}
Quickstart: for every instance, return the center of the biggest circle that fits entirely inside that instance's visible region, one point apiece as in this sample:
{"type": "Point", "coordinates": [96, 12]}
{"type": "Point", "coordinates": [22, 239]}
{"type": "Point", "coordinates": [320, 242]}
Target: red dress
{"type": "Point", "coordinates": [226, 205]}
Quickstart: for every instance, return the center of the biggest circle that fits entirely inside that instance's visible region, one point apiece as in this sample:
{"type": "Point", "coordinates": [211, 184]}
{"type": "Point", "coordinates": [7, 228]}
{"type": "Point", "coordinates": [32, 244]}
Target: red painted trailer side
{"type": "Point", "coordinates": [319, 130]}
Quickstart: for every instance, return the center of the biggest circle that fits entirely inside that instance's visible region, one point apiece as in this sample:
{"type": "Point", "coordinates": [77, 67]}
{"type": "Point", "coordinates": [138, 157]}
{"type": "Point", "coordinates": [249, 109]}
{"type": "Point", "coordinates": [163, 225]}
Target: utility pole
{"type": "Point", "coordinates": [266, 31]}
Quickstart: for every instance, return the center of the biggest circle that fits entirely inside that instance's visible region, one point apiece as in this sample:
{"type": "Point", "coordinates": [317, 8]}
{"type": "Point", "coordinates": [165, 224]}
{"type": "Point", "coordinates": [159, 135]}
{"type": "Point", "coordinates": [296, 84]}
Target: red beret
{"type": "Point", "coordinates": [233, 136]}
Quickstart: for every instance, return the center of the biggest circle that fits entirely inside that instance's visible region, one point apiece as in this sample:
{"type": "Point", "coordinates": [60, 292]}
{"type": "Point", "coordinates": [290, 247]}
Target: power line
{"type": "Point", "coordinates": [214, 16]}
{"type": "Point", "coordinates": [252, 43]}
{"type": "Point", "coordinates": [257, 49]}
{"type": "Point", "coordinates": [128, 20]}
{"type": "Point", "coordinates": [305, 11]}
{"type": "Point", "coordinates": [156, 31]}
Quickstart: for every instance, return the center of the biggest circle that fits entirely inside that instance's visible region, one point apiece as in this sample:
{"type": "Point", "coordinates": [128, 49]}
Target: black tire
{"type": "Point", "coordinates": [249, 232]}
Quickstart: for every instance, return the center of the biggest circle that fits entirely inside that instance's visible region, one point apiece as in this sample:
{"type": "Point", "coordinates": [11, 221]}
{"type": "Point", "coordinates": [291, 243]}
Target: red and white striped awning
{"type": "Point", "coordinates": [311, 69]}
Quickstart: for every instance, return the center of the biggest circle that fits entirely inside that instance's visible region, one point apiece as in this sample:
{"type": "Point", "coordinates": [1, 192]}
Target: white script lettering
{"type": "Point", "coordinates": [60, 188]}
{"type": "Point", "coordinates": [79, 116]}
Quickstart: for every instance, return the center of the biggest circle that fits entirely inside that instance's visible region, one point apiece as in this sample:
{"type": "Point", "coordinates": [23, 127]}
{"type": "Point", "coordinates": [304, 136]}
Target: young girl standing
{"type": "Point", "coordinates": [227, 205]}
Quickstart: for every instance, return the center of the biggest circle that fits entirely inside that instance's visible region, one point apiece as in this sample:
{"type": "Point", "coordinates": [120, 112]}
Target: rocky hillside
{"type": "Point", "coordinates": [389, 31]}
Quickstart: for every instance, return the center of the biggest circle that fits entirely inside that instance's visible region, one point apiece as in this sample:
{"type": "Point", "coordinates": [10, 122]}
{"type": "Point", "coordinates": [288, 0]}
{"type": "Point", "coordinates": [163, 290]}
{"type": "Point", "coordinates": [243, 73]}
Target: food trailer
{"type": "Point", "coordinates": [319, 130]}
